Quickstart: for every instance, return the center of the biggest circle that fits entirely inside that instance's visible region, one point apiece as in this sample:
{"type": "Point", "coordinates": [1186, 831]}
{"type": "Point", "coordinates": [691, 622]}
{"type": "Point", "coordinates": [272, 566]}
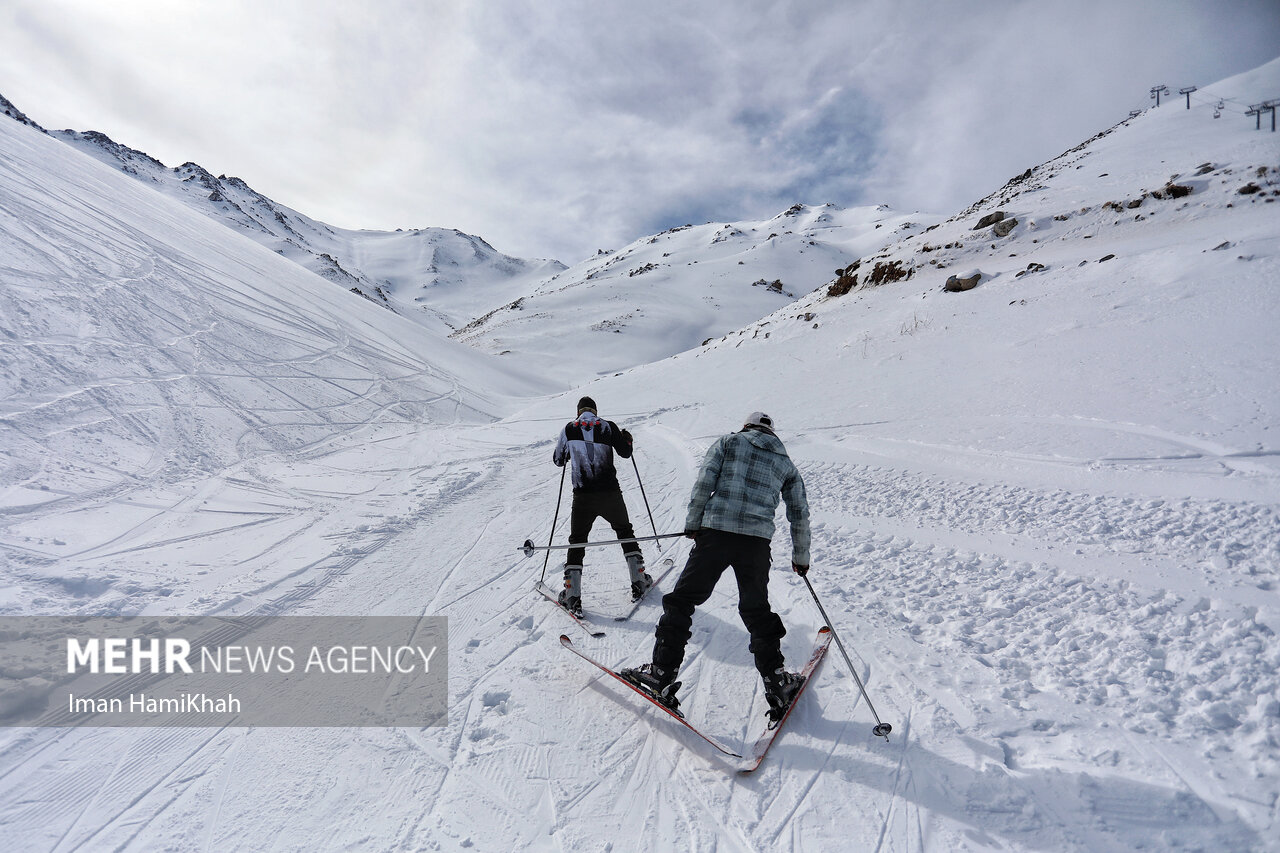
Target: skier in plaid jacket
{"type": "Point", "coordinates": [730, 519]}
{"type": "Point", "coordinates": [738, 487]}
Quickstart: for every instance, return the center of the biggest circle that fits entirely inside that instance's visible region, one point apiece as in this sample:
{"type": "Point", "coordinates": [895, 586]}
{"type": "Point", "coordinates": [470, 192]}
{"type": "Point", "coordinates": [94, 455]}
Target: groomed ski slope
{"type": "Point", "coordinates": [1045, 512]}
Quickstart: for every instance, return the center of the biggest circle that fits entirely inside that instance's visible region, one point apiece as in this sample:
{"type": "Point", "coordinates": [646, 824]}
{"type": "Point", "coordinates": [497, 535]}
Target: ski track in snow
{"type": "Point", "coordinates": [916, 565]}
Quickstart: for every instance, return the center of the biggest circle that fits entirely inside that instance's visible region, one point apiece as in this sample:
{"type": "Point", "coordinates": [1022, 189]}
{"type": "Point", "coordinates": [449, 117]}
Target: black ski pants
{"type": "Point", "coordinates": [587, 507]}
{"type": "Point", "coordinates": [713, 552]}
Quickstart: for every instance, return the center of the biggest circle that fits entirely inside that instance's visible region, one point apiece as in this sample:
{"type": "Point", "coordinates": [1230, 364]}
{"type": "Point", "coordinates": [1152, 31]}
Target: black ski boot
{"type": "Point", "coordinates": [572, 603]}
{"type": "Point", "coordinates": [641, 586]}
{"type": "Point", "coordinates": [655, 681]}
{"type": "Point", "coordinates": [780, 688]}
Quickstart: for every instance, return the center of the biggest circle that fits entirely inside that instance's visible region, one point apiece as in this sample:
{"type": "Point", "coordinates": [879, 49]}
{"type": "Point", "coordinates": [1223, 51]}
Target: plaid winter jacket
{"type": "Point", "coordinates": [738, 487]}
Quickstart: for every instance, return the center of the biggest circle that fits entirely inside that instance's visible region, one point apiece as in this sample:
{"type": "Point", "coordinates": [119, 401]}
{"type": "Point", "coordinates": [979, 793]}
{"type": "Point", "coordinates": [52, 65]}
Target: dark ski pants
{"type": "Point", "coordinates": [587, 507]}
{"type": "Point", "coordinates": [713, 552]}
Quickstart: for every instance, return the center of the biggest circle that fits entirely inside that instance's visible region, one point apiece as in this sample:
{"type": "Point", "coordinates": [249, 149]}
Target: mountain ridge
{"type": "Point", "coordinates": [458, 285]}
{"type": "Point", "coordinates": [425, 292]}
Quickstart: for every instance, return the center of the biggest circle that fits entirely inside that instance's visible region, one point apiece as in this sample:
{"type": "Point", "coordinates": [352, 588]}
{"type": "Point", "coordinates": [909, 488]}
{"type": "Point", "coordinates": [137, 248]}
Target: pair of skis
{"type": "Point", "coordinates": [552, 595]}
{"type": "Point", "coordinates": [766, 738]}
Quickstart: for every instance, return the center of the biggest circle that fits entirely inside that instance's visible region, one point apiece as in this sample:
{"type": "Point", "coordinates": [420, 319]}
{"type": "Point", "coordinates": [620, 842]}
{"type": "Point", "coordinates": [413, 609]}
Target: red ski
{"type": "Point", "coordinates": [675, 715]}
{"type": "Point", "coordinates": [771, 732]}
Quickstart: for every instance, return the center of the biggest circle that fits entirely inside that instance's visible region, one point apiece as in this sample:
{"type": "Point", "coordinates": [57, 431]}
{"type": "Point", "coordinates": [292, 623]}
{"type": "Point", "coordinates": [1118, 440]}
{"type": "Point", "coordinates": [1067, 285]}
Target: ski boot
{"type": "Point", "coordinates": [780, 688]}
{"type": "Point", "coordinates": [640, 587]}
{"type": "Point", "coordinates": [571, 596]}
{"type": "Point", "coordinates": [640, 580]}
{"type": "Point", "coordinates": [655, 681]}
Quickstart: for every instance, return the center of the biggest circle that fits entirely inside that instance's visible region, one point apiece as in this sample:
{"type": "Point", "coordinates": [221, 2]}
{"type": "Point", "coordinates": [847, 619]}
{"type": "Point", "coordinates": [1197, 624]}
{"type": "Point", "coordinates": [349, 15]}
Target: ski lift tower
{"type": "Point", "coordinates": [1187, 91]}
{"type": "Point", "coordinates": [1270, 105]}
{"type": "Point", "coordinates": [1157, 91]}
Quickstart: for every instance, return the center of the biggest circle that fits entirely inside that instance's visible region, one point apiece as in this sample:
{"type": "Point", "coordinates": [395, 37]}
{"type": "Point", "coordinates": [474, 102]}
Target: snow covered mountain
{"type": "Point", "coordinates": [1046, 514]}
{"type": "Point", "coordinates": [673, 291]}
{"type": "Point", "coordinates": [665, 293]}
{"type": "Point", "coordinates": [438, 277]}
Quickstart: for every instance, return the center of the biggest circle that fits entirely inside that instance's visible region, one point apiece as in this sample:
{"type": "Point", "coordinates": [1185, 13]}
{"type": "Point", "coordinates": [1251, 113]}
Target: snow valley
{"type": "Point", "coordinates": [1039, 437]}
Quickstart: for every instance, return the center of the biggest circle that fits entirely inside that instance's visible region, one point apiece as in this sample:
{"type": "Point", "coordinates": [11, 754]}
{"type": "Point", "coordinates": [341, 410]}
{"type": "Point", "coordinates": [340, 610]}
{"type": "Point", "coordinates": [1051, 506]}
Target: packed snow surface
{"type": "Point", "coordinates": [1046, 514]}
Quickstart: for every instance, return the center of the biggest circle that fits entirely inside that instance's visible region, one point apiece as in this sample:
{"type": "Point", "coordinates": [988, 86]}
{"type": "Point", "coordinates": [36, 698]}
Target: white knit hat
{"type": "Point", "coordinates": [758, 420]}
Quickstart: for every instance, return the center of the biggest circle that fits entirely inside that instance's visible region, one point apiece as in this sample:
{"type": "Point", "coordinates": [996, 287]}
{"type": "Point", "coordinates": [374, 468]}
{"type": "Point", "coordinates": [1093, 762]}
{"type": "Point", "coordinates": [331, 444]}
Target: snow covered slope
{"type": "Point", "coordinates": [151, 355]}
{"type": "Point", "coordinates": [1047, 509]}
{"type": "Point", "coordinates": [1046, 523]}
{"type": "Point", "coordinates": [436, 276]}
{"type": "Point", "coordinates": [672, 291]}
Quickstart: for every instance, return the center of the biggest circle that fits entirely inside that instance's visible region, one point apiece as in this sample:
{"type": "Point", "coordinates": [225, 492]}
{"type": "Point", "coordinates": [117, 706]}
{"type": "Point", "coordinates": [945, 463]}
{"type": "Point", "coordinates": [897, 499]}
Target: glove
{"type": "Point", "coordinates": [626, 436]}
{"type": "Point", "coordinates": [799, 569]}
{"type": "Point", "coordinates": [691, 534]}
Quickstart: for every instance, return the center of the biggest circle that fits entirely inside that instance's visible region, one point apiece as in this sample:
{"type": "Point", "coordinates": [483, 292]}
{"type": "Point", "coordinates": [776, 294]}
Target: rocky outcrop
{"type": "Point", "coordinates": [989, 219]}
{"type": "Point", "coordinates": [887, 271]}
{"type": "Point", "coordinates": [959, 284]}
{"type": "Point", "coordinates": [846, 280]}
{"type": "Point", "coordinates": [1003, 227]}
{"type": "Point", "coordinates": [8, 109]}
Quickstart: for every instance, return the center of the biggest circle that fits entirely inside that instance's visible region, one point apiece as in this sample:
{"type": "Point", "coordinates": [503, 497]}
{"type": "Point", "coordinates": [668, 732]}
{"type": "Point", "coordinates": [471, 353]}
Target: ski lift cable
{"type": "Point", "coordinates": [1221, 104]}
{"type": "Point", "coordinates": [1205, 96]}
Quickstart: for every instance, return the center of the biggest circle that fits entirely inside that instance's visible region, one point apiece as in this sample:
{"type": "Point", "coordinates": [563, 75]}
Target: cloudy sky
{"type": "Point", "coordinates": [553, 128]}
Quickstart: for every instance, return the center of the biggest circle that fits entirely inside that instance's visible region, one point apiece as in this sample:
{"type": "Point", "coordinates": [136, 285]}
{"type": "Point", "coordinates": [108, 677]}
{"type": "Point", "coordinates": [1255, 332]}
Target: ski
{"type": "Point", "coordinates": [771, 731]}
{"type": "Point", "coordinates": [667, 565]}
{"type": "Point", "coordinates": [675, 715]}
{"type": "Point", "coordinates": [554, 598]}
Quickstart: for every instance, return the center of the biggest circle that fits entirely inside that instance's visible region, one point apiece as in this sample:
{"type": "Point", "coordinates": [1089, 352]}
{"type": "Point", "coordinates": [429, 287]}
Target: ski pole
{"type": "Point", "coordinates": [554, 519]}
{"type": "Point", "coordinates": [642, 494]}
{"type": "Point", "coordinates": [528, 547]}
{"type": "Point", "coordinates": [881, 729]}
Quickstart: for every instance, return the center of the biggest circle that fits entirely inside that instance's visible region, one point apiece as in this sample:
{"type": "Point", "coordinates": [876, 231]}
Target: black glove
{"type": "Point", "coordinates": [691, 534]}
{"type": "Point", "coordinates": [799, 569]}
{"type": "Point", "coordinates": [626, 436]}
